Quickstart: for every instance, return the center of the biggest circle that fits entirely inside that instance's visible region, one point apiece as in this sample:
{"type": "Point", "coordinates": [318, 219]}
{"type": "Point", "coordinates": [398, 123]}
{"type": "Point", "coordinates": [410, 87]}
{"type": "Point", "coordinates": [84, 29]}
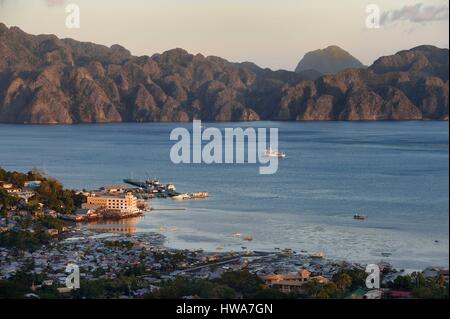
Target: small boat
{"type": "Point", "coordinates": [318, 255]}
{"type": "Point", "coordinates": [359, 217]}
{"type": "Point", "coordinates": [181, 197]}
{"type": "Point", "coordinates": [386, 254]}
{"type": "Point", "coordinates": [247, 238]}
{"type": "Point", "coordinates": [272, 153]}
{"type": "Point", "coordinates": [171, 187]}
{"type": "Point", "coordinates": [236, 235]}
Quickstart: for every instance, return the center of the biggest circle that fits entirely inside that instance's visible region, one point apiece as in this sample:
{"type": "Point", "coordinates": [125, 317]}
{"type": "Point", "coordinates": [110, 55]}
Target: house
{"type": "Point", "coordinates": [64, 290]}
{"type": "Point", "coordinates": [47, 283]}
{"type": "Point", "coordinates": [51, 213]}
{"type": "Point", "coordinates": [25, 195]}
{"type": "Point", "coordinates": [80, 215]}
{"type": "Point", "coordinates": [6, 185]}
{"type": "Point", "coordinates": [53, 232]}
{"type": "Point", "coordinates": [210, 258]}
{"type": "Point", "coordinates": [397, 294]}
{"type": "Point", "coordinates": [435, 272]}
{"type": "Point", "coordinates": [373, 294]}
{"type": "Point", "coordinates": [120, 189]}
{"type": "Point", "coordinates": [444, 273]}
{"type": "Point", "coordinates": [12, 190]}
{"type": "Point", "coordinates": [32, 184]}
{"type": "Point", "coordinates": [37, 214]}
{"type": "Point", "coordinates": [292, 282]}
{"type": "Point", "coordinates": [431, 272]}
{"type": "Point", "coordinates": [300, 276]}
{"type": "Point", "coordinates": [357, 294]}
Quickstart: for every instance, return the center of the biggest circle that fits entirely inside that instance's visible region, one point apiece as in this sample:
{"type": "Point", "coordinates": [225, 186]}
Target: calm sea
{"type": "Point", "coordinates": [396, 173]}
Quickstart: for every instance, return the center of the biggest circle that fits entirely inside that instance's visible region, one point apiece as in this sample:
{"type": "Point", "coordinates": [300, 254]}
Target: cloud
{"type": "Point", "coordinates": [417, 13]}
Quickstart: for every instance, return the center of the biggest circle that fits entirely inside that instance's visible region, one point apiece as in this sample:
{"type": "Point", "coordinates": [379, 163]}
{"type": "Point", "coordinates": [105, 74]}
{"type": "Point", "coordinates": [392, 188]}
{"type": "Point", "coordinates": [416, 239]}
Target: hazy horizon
{"type": "Point", "coordinates": [271, 34]}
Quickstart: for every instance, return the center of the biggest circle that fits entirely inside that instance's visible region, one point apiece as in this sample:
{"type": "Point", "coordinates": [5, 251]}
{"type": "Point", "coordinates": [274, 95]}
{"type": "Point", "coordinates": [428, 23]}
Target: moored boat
{"type": "Point", "coordinates": [272, 153]}
{"type": "Point", "coordinates": [181, 197]}
{"type": "Point", "coordinates": [359, 217]}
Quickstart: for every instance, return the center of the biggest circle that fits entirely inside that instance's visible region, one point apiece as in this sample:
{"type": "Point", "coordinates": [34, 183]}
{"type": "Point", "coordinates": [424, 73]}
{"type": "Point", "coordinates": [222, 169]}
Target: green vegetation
{"type": "Point", "coordinates": [317, 290]}
{"type": "Point", "coordinates": [51, 193]}
{"type": "Point", "coordinates": [421, 287]}
{"type": "Point", "coordinates": [50, 223]}
{"type": "Point", "coordinates": [243, 282]}
{"type": "Point", "coordinates": [107, 288]}
{"type": "Point", "coordinates": [232, 284]}
{"type": "Point", "coordinates": [204, 289]}
{"type": "Point", "coordinates": [7, 201]}
{"type": "Point", "coordinates": [350, 279]}
{"type": "Point", "coordinates": [20, 285]}
{"type": "Point", "coordinates": [119, 244]}
{"type": "Point", "coordinates": [24, 240]}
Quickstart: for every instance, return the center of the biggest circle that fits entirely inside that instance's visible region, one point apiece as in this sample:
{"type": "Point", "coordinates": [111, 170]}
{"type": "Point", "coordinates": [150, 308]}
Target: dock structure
{"type": "Point", "coordinates": [154, 187]}
{"type": "Point", "coordinates": [136, 183]}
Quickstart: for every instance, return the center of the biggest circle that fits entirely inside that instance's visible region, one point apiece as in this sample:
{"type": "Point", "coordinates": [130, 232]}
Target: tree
{"type": "Point", "coordinates": [343, 281]}
{"type": "Point", "coordinates": [403, 283]}
{"type": "Point", "coordinates": [313, 288]}
{"type": "Point", "coordinates": [6, 200]}
{"type": "Point", "coordinates": [242, 281]}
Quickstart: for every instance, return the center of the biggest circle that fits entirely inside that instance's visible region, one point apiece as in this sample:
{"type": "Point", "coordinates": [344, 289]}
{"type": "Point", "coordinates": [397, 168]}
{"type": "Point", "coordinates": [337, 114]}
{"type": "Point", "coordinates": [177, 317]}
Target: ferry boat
{"type": "Point", "coordinates": [272, 153]}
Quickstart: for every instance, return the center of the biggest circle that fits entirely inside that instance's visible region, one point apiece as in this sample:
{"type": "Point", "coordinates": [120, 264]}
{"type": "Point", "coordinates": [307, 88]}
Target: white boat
{"type": "Point", "coordinates": [181, 197]}
{"type": "Point", "coordinates": [272, 153]}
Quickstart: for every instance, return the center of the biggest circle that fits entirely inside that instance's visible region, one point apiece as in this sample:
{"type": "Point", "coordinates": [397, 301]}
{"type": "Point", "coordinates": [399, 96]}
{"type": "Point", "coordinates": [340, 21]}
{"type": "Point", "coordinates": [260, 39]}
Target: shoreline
{"type": "Point", "coordinates": [222, 123]}
{"type": "Point", "coordinates": [304, 255]}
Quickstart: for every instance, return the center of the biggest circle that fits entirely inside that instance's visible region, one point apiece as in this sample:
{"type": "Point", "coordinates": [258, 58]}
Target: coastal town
{"type": "Point", "coordinates": [42, 231]}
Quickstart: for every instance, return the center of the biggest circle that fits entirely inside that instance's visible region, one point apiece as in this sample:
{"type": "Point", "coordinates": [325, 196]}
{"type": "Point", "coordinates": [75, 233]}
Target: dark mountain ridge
{"type": "Point", "coordinates": [47, 80]}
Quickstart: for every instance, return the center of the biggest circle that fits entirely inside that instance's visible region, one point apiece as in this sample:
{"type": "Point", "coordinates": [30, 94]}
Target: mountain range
{"type": "Point", "coordinates": [47, 80]}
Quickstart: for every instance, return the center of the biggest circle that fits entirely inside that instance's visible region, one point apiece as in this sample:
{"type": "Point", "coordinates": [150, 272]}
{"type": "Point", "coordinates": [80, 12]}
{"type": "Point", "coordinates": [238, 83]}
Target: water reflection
{"type": "Point", "coordinates": [124, 226]}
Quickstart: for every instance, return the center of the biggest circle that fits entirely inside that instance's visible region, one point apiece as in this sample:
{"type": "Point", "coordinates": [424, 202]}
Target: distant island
{"type": "Point", "coordinates": [47, 80]}
{"type": "Point", "coordinates": [330, 60]}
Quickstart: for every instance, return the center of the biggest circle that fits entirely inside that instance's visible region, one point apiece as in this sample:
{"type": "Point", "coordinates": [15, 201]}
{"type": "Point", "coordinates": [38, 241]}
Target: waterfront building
{"type": "Point", "coordinates": [125, 203]}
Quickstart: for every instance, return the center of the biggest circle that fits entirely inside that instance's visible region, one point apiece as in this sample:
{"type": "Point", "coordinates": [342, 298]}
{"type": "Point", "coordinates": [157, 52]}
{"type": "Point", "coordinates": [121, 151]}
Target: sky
{"type": "Point", "coordinates": [270, 33]}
